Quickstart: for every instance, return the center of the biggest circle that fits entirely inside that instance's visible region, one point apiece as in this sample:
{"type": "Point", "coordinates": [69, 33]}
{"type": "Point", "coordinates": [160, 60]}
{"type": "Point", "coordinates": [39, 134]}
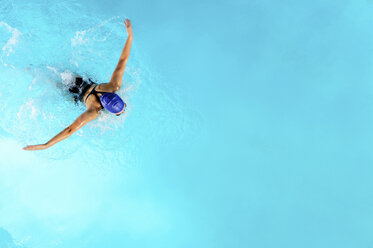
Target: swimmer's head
{"type": "Point", "coordinates": [113, 103]}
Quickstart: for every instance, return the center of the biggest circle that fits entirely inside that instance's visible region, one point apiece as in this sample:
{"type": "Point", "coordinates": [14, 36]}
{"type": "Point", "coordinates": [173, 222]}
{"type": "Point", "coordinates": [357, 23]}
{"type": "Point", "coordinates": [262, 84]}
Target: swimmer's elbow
{"type": "Point", "coordinates": [72, 129]}
{"type": "Point", "coordinates": [69, 130]}
{"type": "Point", "coordinates": [82, 120]}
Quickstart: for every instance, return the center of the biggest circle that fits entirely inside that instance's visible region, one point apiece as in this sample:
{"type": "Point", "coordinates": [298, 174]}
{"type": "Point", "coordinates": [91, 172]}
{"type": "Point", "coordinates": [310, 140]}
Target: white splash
{"type": "Point", "coordinates": [28, 108]}
{"type": "Point", "coordinates": [8, 48]}
{"type": "Point", "coordinates": [52, 69]}
{"type": "Point", "coordinates": [67, 78]}
{"type": "Point", "coordinates": [80, 36]}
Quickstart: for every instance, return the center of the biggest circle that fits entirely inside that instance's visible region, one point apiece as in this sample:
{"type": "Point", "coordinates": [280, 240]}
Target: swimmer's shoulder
{"type": "Point", "coordinates": [92, 101]}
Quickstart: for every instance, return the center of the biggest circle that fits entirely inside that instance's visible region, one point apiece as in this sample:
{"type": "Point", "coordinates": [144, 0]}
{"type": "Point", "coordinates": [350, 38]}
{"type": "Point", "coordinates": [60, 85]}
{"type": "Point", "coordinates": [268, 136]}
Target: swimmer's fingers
{"type": "Point", "coordinates": [35, 147]}
{"type": "Point", "coordinates": [127, 22]}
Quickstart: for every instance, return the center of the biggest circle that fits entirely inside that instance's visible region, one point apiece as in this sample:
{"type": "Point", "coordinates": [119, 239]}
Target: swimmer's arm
{"type": "Point", "coordinates": [83, 119]}
{"type": "Point", "coordinates": [116, 78]}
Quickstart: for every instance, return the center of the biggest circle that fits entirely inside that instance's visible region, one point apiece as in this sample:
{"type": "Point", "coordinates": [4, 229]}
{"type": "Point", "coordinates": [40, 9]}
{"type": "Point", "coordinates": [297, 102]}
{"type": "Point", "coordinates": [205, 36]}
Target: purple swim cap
{"type": "Point", "coordinates": [112, 102]}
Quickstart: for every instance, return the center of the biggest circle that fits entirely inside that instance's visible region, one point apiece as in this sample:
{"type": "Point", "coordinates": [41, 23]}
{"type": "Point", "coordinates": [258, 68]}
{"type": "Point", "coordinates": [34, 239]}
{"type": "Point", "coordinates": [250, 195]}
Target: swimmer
{"type": "Point", "coordinates": [95, 96]}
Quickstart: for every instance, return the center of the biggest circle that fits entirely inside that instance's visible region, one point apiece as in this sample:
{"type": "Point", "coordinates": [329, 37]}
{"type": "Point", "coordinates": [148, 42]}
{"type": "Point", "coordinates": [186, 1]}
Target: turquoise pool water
{"type": "Point", "coordinates": [249, 124]}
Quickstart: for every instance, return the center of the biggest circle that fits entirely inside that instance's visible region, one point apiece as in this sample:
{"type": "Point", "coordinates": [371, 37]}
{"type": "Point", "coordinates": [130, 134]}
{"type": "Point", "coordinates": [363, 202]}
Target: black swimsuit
{"type": "Point", "coordinates": [79, 88]}
{"type": "Point", "coordinates": [94, 92]}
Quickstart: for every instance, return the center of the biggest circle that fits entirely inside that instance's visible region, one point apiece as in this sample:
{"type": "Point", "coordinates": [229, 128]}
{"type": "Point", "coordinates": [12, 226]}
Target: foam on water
{"type": "Point", "coordinates": [11, 42]}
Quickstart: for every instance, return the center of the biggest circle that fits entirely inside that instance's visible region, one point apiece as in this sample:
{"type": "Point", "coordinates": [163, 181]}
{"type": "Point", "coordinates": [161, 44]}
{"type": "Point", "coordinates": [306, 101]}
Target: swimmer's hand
{"type": "Point", "coordinates": [35, 147]}
{"type": "Point", "coordinates": [127, 22]}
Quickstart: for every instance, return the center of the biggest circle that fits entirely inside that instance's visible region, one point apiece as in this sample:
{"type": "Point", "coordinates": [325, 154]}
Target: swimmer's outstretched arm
{"type": "Point", "coordinates": [116, 79]}
{"type": "Point", "coordinates": [83, 119]}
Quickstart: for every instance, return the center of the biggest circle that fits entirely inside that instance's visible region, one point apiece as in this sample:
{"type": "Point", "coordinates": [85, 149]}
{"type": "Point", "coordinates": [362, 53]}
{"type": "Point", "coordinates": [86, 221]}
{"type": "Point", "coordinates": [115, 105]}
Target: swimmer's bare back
{"type": "Point", "coordinates": [93, 106]}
